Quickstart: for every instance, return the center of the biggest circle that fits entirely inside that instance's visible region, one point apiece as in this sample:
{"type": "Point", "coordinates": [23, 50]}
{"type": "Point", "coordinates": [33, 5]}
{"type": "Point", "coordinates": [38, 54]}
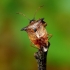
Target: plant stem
{"type": "Point", "coordinates": [41, 56]}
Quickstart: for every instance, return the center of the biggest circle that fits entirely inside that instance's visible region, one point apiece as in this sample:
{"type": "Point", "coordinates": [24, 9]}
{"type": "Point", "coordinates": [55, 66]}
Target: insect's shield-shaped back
{"type": "Point", "coordinates": [37, 32]}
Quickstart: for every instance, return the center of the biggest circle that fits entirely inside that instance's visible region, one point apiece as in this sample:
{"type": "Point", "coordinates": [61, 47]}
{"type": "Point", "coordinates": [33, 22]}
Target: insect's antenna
{"type": "Point", "coordinates": [37, 10]}
{"type": "Point", "coordinates": [23, 15]}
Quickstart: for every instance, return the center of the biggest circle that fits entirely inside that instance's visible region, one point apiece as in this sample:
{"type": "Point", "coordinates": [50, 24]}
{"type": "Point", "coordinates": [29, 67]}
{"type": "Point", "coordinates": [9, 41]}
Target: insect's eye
{"type": "Point", "coordinates": [32, 20]}
{"type": "Point", "coordinates": [35, 29]}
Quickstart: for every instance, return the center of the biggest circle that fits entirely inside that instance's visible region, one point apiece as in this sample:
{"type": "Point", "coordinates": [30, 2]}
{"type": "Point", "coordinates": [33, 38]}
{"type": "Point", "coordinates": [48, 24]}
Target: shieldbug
{"type": "Point", "coordinates": [37, 32]}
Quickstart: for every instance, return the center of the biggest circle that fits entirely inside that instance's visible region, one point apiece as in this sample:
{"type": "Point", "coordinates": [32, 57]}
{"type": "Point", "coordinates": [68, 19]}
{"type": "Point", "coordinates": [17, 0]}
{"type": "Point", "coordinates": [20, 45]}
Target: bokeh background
{"type": "Point", "coordinates": [15, 50]}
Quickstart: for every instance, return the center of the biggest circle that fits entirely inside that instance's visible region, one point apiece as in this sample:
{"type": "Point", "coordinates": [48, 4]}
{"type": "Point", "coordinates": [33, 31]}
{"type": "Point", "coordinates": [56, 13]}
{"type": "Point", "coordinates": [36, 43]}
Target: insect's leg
{"type": "Point", "coordinates": [33, 46]}
{"type": "Point", "coordinates": [50, 36]}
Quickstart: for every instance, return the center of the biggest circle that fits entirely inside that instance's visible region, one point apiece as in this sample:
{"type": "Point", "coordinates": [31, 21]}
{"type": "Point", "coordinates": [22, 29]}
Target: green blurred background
{"type": "Point", "coordinates": [15, 50]}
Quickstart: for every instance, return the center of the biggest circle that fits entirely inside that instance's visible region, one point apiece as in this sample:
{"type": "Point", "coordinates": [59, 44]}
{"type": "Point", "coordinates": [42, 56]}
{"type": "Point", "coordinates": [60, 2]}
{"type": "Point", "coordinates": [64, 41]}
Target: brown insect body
{"type": "Point", "coordinates": [37, 33]}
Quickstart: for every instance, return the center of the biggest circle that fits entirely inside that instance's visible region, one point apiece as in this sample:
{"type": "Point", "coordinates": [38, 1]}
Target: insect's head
{"type": "Point", "coordinates": [34, 24]}
{"type": "Point", "coordinates": [31, 21]}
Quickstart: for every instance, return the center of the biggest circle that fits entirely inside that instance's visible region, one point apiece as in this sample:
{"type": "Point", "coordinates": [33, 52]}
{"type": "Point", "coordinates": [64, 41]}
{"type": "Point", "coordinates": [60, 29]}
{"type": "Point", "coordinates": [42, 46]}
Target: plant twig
{"type": "Point", "coordinates": [41, 56]}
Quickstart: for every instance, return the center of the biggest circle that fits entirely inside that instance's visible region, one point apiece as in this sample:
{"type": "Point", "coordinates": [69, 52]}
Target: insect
{"type": "Point", "coordinates": [37, 32]}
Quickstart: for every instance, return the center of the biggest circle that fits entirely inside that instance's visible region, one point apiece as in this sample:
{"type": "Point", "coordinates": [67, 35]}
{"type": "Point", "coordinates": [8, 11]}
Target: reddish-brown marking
{"type": "Point", "coordinates": [40, 42]}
